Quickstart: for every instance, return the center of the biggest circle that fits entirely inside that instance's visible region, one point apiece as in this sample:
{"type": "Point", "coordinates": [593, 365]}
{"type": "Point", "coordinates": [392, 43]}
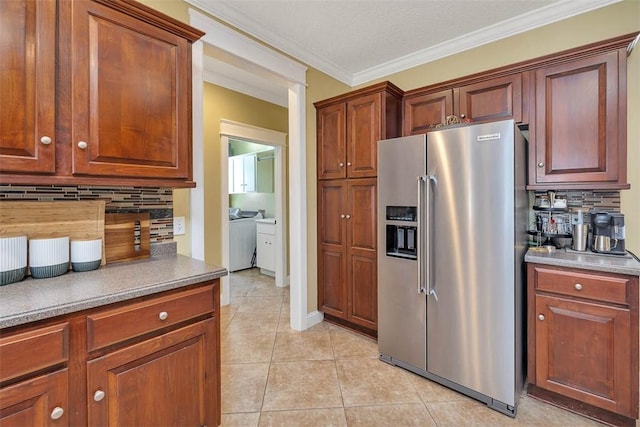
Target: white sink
{"type": "Point", "coordinates": [266, 220]}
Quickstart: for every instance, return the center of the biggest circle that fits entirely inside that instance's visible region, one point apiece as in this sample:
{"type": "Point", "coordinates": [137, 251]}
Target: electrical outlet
{"type": "Point", "coordinates": [179, 226]}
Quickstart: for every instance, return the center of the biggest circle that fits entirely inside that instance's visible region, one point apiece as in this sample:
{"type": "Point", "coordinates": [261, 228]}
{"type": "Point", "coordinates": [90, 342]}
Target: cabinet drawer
{"type": "Point", "coordinates": [113, 326]}
{"type": "Point", "coordinates": [34, 350]}
{"type": "Point", "coordinates": [583, 285]}
{"type": "Point", "coordinates": [266, 228]}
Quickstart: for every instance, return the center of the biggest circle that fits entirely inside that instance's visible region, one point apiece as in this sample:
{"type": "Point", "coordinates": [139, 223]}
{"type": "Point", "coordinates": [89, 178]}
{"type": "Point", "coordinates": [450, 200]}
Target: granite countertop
{"type": "Point", "coordinates": [587, 260]}
{"type": "Point", "coordinates": [38, 299]}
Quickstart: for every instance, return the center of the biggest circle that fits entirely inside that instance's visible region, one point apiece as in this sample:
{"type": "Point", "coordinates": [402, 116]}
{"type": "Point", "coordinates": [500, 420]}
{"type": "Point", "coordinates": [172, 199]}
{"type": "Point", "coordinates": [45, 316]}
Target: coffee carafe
{"type": "Point", "coordinates": [608, 233]}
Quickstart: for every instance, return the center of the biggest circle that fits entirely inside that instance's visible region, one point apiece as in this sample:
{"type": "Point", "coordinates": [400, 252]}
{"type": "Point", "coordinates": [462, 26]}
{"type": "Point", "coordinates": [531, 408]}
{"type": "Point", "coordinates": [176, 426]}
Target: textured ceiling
{"type": "Point", "coordinates": [356, 41]}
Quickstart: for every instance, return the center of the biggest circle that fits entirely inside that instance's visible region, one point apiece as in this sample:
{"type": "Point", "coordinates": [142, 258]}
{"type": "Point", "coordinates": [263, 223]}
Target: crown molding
{"type": "Point", "coordinates": [520, 24]}
{"type": "Point", "coordinates": [544, 16]}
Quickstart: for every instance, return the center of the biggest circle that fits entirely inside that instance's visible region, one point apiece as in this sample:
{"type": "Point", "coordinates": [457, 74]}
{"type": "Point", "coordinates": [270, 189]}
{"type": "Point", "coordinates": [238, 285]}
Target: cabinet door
{"type": "Point", "coordinates": [27, 85]}
{"type": "Point", "coordinates": [363, 133]}
{"type": "Point", "coordinates": [331, 130]}
{"type": "Point", "coordinates": [38, 402]}
{"type": "Point", "coordinates": [495, 99]}
{"type": "Point", "coordinates": [266, 252]}
{"type": "Point", "coordinates": [577, 137]}
{"type": "Point", "coordinates": [582, 351]}
{"type": "Point", "coordinates": [362, 255]}
{"type": "Point", "coordinates": [167, 380]}
{"type": "Point", "coordinates": [421, 112]}
{"type": "Point", "coordinates": [131, 93]}
{"type": "Point", "coordinates": [332, 258]}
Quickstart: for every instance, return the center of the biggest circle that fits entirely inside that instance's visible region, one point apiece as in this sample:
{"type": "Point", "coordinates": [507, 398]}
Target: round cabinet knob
{"type": "Point", "coordinates": [98, 395]}
{"type": "Point", "coordinates": [578, 286]}
{"type": "Point", "coordinates": [163, 315]}
{"type": "Point", "coordinates": [57, 413]}
{"type": "Point", "coordinates": [540, 316]}
{"type": "Point", "coordinates": [348, 163]}
{"type": "Point", "coordinates": [462, 116]}
{"type": "Point", "coordinates": [45, 140]}
{"type": "Point", "coordinates": [348, 216]}
{"type": "Point", "coordinates": [82, 145]}
{"type": "Point", "coordinates": [342, 216]}
{"type": "Point", "coordinates": [341, 165]}
{"type": "Point", "coordinates": [540, 164]}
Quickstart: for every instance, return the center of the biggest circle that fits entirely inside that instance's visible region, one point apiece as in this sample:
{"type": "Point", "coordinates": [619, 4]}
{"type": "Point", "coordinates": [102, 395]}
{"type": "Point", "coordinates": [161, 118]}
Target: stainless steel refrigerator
{"type": "Point", "coordinates": [452, 217]}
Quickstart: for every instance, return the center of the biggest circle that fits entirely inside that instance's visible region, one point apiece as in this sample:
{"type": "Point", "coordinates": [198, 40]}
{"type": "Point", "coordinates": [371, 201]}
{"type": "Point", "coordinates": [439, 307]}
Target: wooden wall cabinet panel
{"type": "Point", "coordinates": [581, 349]}
{"type": "Point", "coordinates": [495, 99]}
{"type": "Point", "coordinates": [348, 130]}
{"type": "Point", "coordinates": [423, 111]}
{"type": "Point", "coordinates": [580, 124]}
{"type": "Point", "coordinates": [332, 243]}
{"type": "Point", "coordinates": [331, 135]}
{"type": "Point", "coordinates": [364, 130]}
{"type": "Point", "coordinates": [131, 96]}
{"type": "Point", "coordinates": [498, 98]}
{"type": "Point", "coordinates": [347, 263]}
{"type": "Point", "coordinates": [27, 84]}
{"type": "Point", "coordinates": [100, 93]}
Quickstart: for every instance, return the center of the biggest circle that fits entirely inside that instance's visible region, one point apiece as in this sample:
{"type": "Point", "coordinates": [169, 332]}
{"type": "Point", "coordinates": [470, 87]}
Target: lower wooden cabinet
{"type": "Point", "coordinates": [161, 381]}
{"type": "Point", "coordinates": [149, 362]}
{"type": "Point", "coordinates": [36, 402]}
{"type": "Point", "coordinates": [347, 256]}
{"type": "Point", "coordinates": [583, 338]}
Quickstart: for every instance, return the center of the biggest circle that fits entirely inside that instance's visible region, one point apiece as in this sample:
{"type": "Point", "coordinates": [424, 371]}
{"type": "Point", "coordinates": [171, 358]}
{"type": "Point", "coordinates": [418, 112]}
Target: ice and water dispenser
{"type": "Point", "coordinates": [402, 231]}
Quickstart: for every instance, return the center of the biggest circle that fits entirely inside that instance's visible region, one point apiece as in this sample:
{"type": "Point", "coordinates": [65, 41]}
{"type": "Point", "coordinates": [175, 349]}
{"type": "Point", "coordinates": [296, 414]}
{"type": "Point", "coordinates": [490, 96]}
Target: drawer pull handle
{"type": "Point", "coordinates": [98, 395]}
{"type": "Point", "coordinates": [578, 286]}
{"type": "Point", "coordinates": [540, 316]}
{"type": "Point", "coordinates": [57, 413]}
{"type": "Point", "coordinates": [163, 315]}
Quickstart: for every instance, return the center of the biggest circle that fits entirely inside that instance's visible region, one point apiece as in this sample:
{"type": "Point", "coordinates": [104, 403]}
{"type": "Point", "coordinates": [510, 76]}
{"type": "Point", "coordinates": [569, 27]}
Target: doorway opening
{"type": "Point", "coordinates": [269, 146]}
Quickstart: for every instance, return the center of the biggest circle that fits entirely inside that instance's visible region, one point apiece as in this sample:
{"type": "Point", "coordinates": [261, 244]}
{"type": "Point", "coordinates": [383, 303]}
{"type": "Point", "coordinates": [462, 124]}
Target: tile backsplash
{"type": "Point", "coordinates": [157, 201]}
{"type": "Point", "coordinates": [586, 200]}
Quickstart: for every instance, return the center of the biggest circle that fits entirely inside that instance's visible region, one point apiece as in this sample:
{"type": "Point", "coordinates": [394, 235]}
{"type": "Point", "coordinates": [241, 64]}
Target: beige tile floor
{"type": "Point", "coordinates": [329, 376]}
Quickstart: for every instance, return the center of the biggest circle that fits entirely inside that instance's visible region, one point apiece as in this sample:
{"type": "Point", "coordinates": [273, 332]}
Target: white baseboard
{"type": "Point", "coordinates": [314, 318]}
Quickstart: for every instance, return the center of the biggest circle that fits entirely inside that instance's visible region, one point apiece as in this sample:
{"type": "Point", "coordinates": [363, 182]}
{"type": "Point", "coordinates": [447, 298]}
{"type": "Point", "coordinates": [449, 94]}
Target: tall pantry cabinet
{"type": "Point", "coordinates": [348, 130]}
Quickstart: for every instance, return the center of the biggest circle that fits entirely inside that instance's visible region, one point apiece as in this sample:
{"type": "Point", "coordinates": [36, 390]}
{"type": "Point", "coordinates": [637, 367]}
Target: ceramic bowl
{"type": "Point", "coordinates": [86, 255]}
{"type": "Point", "coordinates": [13, 259]}
{"type": "Point", "coordinates": [48, 257]}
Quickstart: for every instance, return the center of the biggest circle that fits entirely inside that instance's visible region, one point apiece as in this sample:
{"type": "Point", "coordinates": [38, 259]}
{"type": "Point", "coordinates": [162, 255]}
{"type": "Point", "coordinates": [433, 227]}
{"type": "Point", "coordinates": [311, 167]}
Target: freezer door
{"type": "Point", "coordinates": [401, 308]}
{"type": "Point", "coordinates": [470, 317]}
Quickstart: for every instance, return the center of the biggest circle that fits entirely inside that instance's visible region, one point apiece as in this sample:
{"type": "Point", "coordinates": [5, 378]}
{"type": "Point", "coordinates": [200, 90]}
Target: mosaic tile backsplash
{"type": "Point", "coordinates": [157, 201]}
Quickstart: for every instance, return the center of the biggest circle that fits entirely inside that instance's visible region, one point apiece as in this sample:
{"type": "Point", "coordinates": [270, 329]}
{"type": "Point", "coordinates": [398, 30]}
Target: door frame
{"type": "Point", "coordinates": [236, 130]}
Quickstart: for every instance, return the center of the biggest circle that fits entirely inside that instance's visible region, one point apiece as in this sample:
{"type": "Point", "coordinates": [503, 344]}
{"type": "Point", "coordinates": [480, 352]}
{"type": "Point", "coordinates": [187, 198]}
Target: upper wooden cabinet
{"type": "Point", "coordinates": [579, 129]}
{"type": "Point", "coordinates": [27, 84]}
{"type": "Point", "coordinates": [494, 99]}
{"type": "Point", "coordinates": [122, 95]}
{"type": "Point", "coordinates": [350, 126]}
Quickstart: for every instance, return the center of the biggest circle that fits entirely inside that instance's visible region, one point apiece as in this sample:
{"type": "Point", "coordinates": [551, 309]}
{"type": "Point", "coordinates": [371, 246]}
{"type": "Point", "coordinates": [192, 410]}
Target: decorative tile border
{"type": "Point", "coordinates": [157, 201]}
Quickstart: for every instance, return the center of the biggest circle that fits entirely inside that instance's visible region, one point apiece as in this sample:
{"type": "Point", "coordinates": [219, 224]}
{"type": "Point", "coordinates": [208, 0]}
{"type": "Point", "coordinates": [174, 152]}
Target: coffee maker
{"type": "Point", "coordinates": [608, 233]}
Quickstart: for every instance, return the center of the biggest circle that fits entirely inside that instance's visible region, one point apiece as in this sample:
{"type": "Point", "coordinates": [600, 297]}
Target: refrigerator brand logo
{"type": "Point", "coordinates": [488, 137]}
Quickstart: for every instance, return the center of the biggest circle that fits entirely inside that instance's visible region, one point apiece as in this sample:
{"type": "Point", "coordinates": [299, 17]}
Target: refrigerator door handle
{"type": "Point", "coordinates": [421, 247]}
{"type": "Point", "coordinates": [427, 237]}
